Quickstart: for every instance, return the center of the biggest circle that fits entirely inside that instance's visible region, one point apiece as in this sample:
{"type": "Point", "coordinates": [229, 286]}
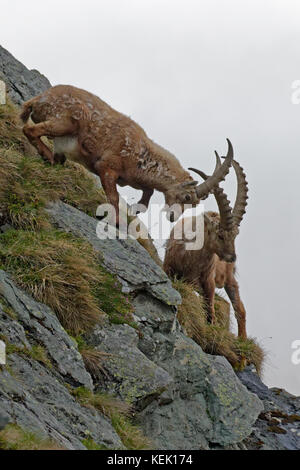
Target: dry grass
{"type": "Point", "coordinates": [94, 362]}
{"type": "Point", "coordinates": [215, 339]}
{"type": "Point", "coordinates": [15, 438]}
{"type": "Point", "coordinates": [11, 135]}
{"type": "Point", "coordinates": [131, 436]}
{"type": "Point", "coordinates": [64, 272]}
{"type": "Point", "coordinates": [58, 271]}
{"type": "Point", "coordinates": [119, 413]}
{"type": "Point", "coordinates": [106, 404]}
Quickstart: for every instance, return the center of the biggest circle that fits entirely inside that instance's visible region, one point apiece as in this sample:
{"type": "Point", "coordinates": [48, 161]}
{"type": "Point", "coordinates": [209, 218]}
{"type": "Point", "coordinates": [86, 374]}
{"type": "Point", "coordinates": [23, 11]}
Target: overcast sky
{"type": "Point", "coordinates": [193, 73]}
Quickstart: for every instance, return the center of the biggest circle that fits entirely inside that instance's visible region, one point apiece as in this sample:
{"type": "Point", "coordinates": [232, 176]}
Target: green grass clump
{"type": "Point", "coordinates": [130, 434]}
{"type": "Point", "coordinates": [215, 339]}
{"type": "Point", "coordinates": [37, 352]}
{"type": "Point", "coordinates": [90, 444]}
{"type": "Point", "coordinates": [13, 437]}
{"type": "Point", "coordinates": [93, 359]}
{"type": "Point", "coordinates": [118, 412]}
{"type": "Point", "coordinates": [7, 308]}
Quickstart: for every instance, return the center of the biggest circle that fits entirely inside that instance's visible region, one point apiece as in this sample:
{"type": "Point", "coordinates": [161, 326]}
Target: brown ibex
{"type": "Point", "coordinates": [87, 130]}
{"type": "Point", "coordinates": [214, 264]}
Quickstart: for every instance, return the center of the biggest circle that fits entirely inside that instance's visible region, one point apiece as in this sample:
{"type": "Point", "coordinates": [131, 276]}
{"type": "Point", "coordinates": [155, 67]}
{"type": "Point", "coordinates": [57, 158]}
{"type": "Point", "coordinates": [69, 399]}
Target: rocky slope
{"type": "Point", "coordinates": [182, 398]}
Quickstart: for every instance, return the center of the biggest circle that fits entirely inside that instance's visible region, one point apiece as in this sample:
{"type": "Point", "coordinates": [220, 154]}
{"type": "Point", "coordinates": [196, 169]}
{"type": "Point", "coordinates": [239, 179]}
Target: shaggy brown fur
{"type": "Point", "coordinates": [205, 269]}
{"type": "Point", "coordinates": [88, 131]}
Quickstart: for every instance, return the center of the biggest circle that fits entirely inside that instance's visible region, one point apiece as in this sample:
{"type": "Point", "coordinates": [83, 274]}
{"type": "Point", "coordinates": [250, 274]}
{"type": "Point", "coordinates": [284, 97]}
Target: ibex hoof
{"type": "Point", "coordinates": [59, 158]}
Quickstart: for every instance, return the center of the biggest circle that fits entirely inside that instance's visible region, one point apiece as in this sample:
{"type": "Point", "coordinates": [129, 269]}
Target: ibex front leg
{"type": "Point", "coordinates": [233, 293]}
{"type": "Point", "coordinates": [51, 129]}
{"type": "Point", "coordinates": [109, 183]}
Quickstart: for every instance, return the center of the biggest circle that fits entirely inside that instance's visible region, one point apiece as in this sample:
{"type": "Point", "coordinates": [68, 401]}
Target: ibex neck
{"type": "Point", "coordinates": [162, 167]}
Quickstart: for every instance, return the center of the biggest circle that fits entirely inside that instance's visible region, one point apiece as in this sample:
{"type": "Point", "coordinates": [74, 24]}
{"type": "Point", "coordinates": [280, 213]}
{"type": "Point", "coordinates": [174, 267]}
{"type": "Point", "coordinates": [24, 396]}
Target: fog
{"type": "Point", "coordinates": [193, 73]}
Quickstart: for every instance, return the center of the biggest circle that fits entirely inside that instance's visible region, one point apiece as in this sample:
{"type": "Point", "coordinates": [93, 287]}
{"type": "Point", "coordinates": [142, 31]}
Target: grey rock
{"type": "Point", "coordinates": [37, 400]}
{"type": "Point", "coordinates": [128, 259]}
{"type": "Point", "coordinates": [22, 84]}
{"type": "Point", "coordinates": [133, 377]}
{"type": "Point", "coordinates": [279, 408]}
{"type": "Point", "coordinates": [4, 228]}
{"type": "Point", "coordinates": [44, 327]}
{"type": "Point", "coordinates": [34, 395]}
{"type": "Point", "coordinates": [185, 399]}
{"type": "Point", "coordinates": [151, 312]}
{"type": "Point", "coordinates": [3, 421]}
{"type": "Point", "coordinates": [209, 404]}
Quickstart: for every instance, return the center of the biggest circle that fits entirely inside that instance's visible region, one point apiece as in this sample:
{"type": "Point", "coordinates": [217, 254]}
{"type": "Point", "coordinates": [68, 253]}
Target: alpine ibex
{"type": "Point", "coordinates": [214, 264]}
{"type": "Point", "coordinates": [88, 131]}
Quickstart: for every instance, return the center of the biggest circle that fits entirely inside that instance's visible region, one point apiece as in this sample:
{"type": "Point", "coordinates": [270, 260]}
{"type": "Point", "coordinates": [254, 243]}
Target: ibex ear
{"type": "Point", "coordinates": [188, 184]}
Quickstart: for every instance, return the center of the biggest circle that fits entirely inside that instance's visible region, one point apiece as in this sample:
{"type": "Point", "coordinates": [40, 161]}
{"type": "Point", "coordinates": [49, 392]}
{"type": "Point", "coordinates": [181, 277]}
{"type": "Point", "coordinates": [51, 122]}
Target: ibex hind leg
{"type": "Point", "coordinates": [51, 129]}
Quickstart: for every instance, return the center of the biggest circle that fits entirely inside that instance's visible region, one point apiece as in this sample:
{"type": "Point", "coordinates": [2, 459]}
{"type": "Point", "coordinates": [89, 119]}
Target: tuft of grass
{"type": "Point", "coordinates": [11, 135]}
{"type": "Point", "coordinates": [118, 412]}
{"type": "Point", "coordinates": [130, 434]}
{"type": "Point", "coordinates": [57, 270]}
{"type": "Point", "coordinates": [106, 404]}
{"type": "Point", "coordinates": [13, 437]}
{"type": "Point", "coordinates": [37, 352]}
{"type": "Point", "coordinates": [215, 339]}
{"type": "Point", "coordinates": [113, 301]}
{"type": "Point", "coordinates": [93, 359]}
{"type": "Point", "coordinates": [65, 273]}
{"type": "Point", "coordinates": [90, 444]}
{"type": "Point", "coordinates": [7, 308]}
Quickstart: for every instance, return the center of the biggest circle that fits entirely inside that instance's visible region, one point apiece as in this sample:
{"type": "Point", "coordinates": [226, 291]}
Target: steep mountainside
{"type": "Point", "coordinates": [102, 351]}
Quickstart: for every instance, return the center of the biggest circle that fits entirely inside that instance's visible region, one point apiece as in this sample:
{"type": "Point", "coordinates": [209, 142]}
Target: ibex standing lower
{"type": "Point", "coordinates": [111, 145]}
{"type": "Point", "coordinates": [213, 265]}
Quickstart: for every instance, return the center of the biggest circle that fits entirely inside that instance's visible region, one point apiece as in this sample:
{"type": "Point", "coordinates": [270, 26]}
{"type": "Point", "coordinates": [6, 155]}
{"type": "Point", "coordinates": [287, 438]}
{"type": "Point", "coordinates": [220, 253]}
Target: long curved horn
{"type": "Point", "coordinates": [242, 194]}
{"type": "Point", "coordinates": [219, 174]}
{"type": "Point", "coordinates": [226, 219]}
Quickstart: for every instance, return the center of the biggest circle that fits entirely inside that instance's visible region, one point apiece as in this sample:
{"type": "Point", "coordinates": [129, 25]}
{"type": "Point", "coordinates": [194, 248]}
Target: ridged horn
{"type": "Point", "coordinates": [242, 194]}
{"type": "Point", "coordinates": [226, 218]}
{"type": "Point", "coordinates": [219, 174]}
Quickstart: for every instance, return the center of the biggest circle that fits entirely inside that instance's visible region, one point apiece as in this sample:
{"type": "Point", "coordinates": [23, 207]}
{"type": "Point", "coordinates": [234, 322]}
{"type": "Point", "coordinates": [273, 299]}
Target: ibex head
{"type": "Point", "coordinates": [224, 227]}
{"type": "Point", "coordinates": [190, 192]}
